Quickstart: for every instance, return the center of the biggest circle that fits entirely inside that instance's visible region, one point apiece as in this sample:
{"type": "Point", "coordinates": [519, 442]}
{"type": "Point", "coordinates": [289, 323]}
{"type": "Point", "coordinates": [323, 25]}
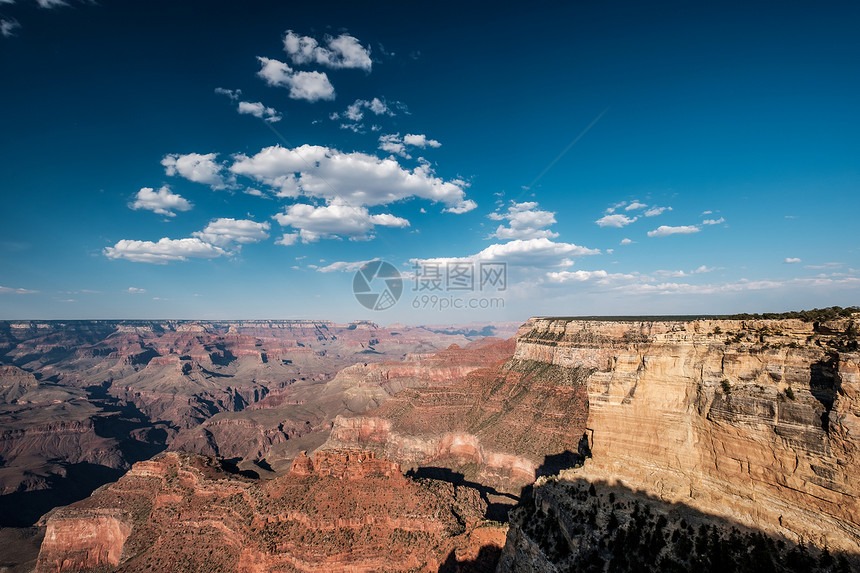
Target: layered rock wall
{"type": "Point", "coordinates": [755, 421]}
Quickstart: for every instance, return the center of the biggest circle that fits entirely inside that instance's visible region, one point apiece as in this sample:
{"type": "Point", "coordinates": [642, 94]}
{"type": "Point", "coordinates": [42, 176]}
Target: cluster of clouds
{"type": "Point", "coordinates": [219, 238]}
{"type": "Point", "coordinates": [331, 221]}
{"type": "Point", "coordinates": [393, 143]}
{"type": "Point", "coordinates": [612, 219]}
{"type": "Point", "coordinates": [337, 194]}
{"type": "Point", "coordinates": [356, 178]}
{"type": "Point", "coordinates": [339, 187]}
{"type": "Point", "coordinates": [343, 51]}
{"type": "Point", "coordinates": [340, 52]}
{"type": "Point", "coordinates": [635, 210]}
{"type": "Point", "coordinates": [524, 221]}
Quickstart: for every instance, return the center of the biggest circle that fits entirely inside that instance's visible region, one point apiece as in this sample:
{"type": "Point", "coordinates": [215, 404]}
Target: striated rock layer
{"type": "Point", "coordinates": [341, 511]}
{"type": "Point", "coordinates": [499, 426]}
{"type": "Point", "coordinates": [754, 421]}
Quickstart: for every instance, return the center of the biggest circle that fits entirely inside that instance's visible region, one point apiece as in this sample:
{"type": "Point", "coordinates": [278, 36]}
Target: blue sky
{"type": "Point", "coordinates": [243, 160]}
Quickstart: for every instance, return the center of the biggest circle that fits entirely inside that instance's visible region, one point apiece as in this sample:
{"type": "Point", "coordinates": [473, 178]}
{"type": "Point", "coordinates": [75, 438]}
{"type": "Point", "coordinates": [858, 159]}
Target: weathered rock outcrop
{"type": "Point", "coordinates": [342, 511]}
{"type": "Point", "coordinates": [499, 426]}
{"type": "Point", "coordinates": [753, 421]}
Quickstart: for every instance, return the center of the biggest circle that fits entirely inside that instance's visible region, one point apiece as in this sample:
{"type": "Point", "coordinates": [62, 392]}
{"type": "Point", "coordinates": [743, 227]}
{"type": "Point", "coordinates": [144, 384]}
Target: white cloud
{"type": "Point", "coordinates": [8, 27]}
{"type": "Point", "coordinates": [540, 252]}
{"type": "Point", "coordinates": [200, 168]}
{"type": "Point", "coordinates": [678, 274]}
{"type": "Point", "coordinates": [343, 51]}
{"type": "Point", "coordinates": [9, 290]}
{"type": "Point", "coordinates": [635, 205]}
{"type": "Point", "coordinates": [356, 178]}
{"type": "Point", "coordinates": [342, 267]}
{"type": "Point", "coordinates": [460, 208]}
{"type": "Point", "coordinates": [225, 231]}
{"type": "Point", "coordinates": [310, 86]}
{"type": "Point", "coordinates": [708, 212]}
{"type": "Point", "coordinates": [616, 220]}
{"type": "Point", "coordinates": [654, 211]}
{"type": "Point", "coordinates": [615, 207]}
{"type": "Point", "coordinates": [665, 230]}
{"type": "Point", "coordinates": [232, 94]}
{"type": "Point", "coordinates": [420, 140]}
{"type": "Point", "coordinates": [162, 202]}
{"type": "Point", "coordinates": [525, 221]}
{"type": "Point", "coordinates": [599, 276]}
{"type": "Point", "coordinates": [163, 251]}
{"type": "Point", "coordinates": [355, 110]}
{"type": "Point", "coordinates": [713, 221]}
{"type": "Point", "coordinates": [393, 143]}
{"type": "Point", "coordinates": [257, 109]}
{"type": "Point", "coordinates": [51, 3]}
{"type": "Point", "coordinates": [135, 290]}
{"type": "Point", "coordinates": [791, 260]}
{"type": "Point", "coordinates": [335, 220]}
{"type": "Point", "coordinates": [626, 241]}
{"type": "Point", "coordinates": [288, 239]}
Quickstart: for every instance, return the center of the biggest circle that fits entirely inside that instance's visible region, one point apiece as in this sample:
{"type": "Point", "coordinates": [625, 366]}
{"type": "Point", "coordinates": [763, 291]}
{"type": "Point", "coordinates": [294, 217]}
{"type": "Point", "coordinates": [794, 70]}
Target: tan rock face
{"type": "Point", "coordinates": [756, 421]}
{"type": "Point", "coordinates": [343, 510]}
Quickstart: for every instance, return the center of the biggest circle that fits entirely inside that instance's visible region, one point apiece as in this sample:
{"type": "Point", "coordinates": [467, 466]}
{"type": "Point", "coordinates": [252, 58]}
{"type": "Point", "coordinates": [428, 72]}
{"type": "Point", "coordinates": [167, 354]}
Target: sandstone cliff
{"type": "Point", "coordinates": [754, 421]}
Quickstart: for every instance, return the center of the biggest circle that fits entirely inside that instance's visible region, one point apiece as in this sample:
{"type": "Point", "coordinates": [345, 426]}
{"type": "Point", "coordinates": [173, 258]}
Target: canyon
{"type": "Point", "coordinates": [689, 442]}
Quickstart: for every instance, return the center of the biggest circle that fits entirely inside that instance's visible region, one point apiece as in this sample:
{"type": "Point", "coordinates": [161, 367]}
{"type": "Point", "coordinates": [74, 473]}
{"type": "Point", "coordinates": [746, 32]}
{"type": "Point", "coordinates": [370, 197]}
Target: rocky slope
{"type": "Point", "coordinates": [756, 421]}
{"type": "Point", "coordinates": [271, 430]}
{"type": "Point", "coordinates": [85, 399]}
{"type": "Point", "coordinates": [341, 511]}
{"type": "Point", "coordinates": [498, 426]}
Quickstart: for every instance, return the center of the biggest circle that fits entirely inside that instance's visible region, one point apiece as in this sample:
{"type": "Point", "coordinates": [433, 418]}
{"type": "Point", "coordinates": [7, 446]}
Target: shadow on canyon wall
{"type": "Point", "coordinates": [485, 562]}
{"type": "Point", "coordinates": [588, 526]}
{"type": "Point", "coordinates": [498, 503]}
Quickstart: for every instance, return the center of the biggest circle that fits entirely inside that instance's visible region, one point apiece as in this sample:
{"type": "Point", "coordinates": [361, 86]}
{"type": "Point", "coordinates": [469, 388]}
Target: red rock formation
{"type": "Point", "coordinates": [343, 511]}
{"type": "Point", "coordinates": [497, 426]}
